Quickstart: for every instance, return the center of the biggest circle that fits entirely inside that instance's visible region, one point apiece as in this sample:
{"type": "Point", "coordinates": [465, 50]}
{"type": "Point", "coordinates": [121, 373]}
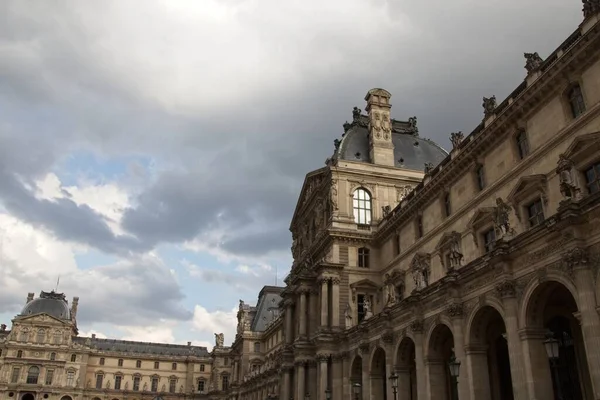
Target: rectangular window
{"type": "Point", "coordinates": [201, 367]}
{"type": "Point", "coordinates": [522, 144]}
{"type": "Point", "coordinates": [172, 384]}
{"type": "Point", "coordinates": [154, 385]}
{"type": "Point", "coordinates": [363, 257]}
{"type": "Point", "coordinates": [396, 244]}
{"type": "Point", "coordinates": [102, 361]}
{"type": "Point", "coordinates": [138, 364]}
{"type": "Point", "coordinates": [99, 381]}
{"type": "Point", "coordinates": [224, 382]}
{"type": "Point", "coordinates": [447, 205]}
{"type": "Point", "coordinates": [70, 378]}
{"type": "Point", "coordinates": [136, 383]}
{"type": "Point", "coordinates": [120, 362]}
{"type": "Point", "coordinates": [489, 239]}
{"type": "Point", "coordinates": [16, 372]}
{"type": "Point", "coordinates": [174, 366]}
{"type": "Point", "coordinates": [480, 177]}
{"type": "Point", "coordinates": [156, 364]}
{"type": "Point", "coordinates": [49, 376]}
{"type": "Point", "coordinates": [118, 379]}
{"type": "Point", "coordinates": [419, 227]}
{"type": "Point", "coordinates": [201, 385]}
{"type": "Point", "coordinates": [535, 213]}
{"type": "Point", "coordinates": [73, 357]}
{"type": "Point", "coordinates": [592, 178]}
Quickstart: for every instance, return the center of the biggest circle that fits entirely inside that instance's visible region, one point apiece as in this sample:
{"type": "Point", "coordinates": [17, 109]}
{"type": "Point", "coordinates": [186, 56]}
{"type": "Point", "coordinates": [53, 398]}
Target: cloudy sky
{"type": "Point", "coordinates": [151, 152]}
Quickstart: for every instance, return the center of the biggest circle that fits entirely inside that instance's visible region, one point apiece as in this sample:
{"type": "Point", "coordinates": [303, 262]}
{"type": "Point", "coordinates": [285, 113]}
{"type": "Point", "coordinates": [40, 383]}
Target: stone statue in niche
{"type": "Point", "coordinates": [569, 184]}
{"type": "Point", "coordinates": [455, 253]}
{"type": "Point", "coordinates": [386, 210]}
{"type": "Point", "coordinates": [348, 315]}
{"type": "Point", "coordinates": [533, 61]}
{"type": "Point", "coordinates": [108, 384]}
{"type": "Point", "coordinates": [219, 339]}
{"type": "Point", "coordinates": [333, 195]}
{"type": "Point", "coordinates": [367, 308]}
{"type": "Point", "coordinates": [501, 220]}
{"type": "Point", "coordinates": [456, 138]}
{"type": "Point", "coordinates": [489, 106]}
{"type": "Point", "coordinates": [126, 385]}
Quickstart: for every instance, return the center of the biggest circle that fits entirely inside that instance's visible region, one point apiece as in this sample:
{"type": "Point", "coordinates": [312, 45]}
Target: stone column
{"type": "Point", "coordinates": [303, 313]}
{"type": "Point", "coordinates": [323, 374]}
{"type": "Point", "coordinates": [300, 380]}
{"type": "Point", "coordinates": [312, 379]}
{"type": "Point", "coordinates": [285, 389]}
{"type": "Point", "coordinates": [366, 373]}
{"type": "Point", "coordinates": [478, 372]}
{"type": "Point", "coordinates": [417, 328]}
{"type": "Point", "coordinates": [506, 290]}
{"type": "Point", "coordinates": [324, 303]}
{"type": "Point", "coordinates": [455, 311]}
{"type": "Point", "coordinates": [338, 379]}
{"type": "Point", "coordinates": [537, 366]}
{"type": "Point", "coordinates": [577, 260]}
{"type": "Point", "coordinates": [289, 329]}
{"type": "Point", "coordinates": [335, 299]}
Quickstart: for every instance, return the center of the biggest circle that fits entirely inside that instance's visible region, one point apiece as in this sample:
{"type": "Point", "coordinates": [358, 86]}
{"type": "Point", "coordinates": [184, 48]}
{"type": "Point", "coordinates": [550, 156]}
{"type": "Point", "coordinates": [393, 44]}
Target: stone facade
{"type": "Point", "coordinates": [42, 357]}
{"type": "Point", "coordinates": [487, 257]}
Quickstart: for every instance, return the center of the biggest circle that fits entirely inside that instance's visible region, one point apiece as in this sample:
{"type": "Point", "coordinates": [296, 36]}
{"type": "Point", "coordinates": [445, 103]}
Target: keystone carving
{"type": "Point", "coordinates": [489, 106]}
{"type": "Point", "coordinates": [506, 289]}
{"type": "Point", "coordinates": [455, 310]}
{"type": "Point", "coordinates": [533, 62]}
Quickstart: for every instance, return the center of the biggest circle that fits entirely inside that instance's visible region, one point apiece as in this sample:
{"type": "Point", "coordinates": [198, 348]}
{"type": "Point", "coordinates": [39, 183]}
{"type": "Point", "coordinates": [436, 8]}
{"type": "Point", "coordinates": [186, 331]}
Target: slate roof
{"type": "Point", "coordinates": [267, 309]}
{"type": "Point", "coordinates": [410, 150]}
{"type": "Point", "coordinates": [51, 303]}
{"type": "Point", "coordinates": [148, 348]}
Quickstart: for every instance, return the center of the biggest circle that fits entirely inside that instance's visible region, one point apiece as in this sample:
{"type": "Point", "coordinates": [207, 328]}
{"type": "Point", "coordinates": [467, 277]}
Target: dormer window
{"type": "Point", "coordinates": [362, 207]}
{"type": "Point", "coordinates": [363, 257]}
{"type": "Point", "coordinates": [576, 102]}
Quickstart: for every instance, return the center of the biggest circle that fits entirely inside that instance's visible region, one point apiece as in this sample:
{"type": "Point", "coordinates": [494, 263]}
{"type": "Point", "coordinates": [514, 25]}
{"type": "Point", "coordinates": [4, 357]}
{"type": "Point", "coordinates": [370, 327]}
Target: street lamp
{"type": "Point", "coordinates": [394, 382]}
{"type": "Point", "coordinates": [552, 350]}
{"type": "Point", "coordinates": [454, 367]}
{"type": "Point", "coordinates": [356, 388]}
{"type": "Point", "coordinates": [328, 394]}
{"type": "Point", "coordinates": [307, 396]}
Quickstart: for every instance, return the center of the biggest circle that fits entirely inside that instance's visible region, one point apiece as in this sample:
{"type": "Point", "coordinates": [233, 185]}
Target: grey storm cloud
{"type": "Point", "coordinates": [242, 141]}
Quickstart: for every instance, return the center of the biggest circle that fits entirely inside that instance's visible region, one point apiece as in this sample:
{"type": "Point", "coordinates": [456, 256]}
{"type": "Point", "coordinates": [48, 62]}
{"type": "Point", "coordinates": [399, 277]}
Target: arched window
{"type": "Point", "coordinates": [362, 207]}
{"type": "Point", "coordinates": [575, 97]}
{"type": "Point", "coordinates": [41, 336]}
{"type": "Point", "coordinates": [57, 337]}
{"type": "Point", "coordinates": [33, 374]}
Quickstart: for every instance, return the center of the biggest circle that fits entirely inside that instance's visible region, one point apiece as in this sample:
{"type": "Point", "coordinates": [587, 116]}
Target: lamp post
{"type": "Point", "coordinates": [328, 394]}
{"type": "Point", "coordinates": [454, 367]}
{"type": "Point", "coordinates": [552, 349]}
{"type": "Point", "coordinates": [394, 381]}
{"type": "Point", "coordinates": [356, 389]}
{"type": "Point", "coordinates": [307, 396]}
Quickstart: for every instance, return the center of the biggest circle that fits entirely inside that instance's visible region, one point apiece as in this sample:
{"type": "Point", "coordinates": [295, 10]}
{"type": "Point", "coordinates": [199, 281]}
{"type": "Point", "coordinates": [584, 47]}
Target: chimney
{"type": "Point", "coordinates": [378, 108]}
{"type": "Point", "coordinates": [93, 336]}
{"type": "Point", "coordinates": [74, 308]}
{"type": "Point", "coordinates": [29, 297]}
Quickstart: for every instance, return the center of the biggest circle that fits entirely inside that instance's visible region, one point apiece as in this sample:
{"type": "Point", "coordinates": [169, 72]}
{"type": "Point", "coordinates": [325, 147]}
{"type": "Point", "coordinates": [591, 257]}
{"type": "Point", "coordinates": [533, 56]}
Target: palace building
{"type": "Point", "coordinates": [42, 357]}
{"type": "Point", "coordinates": [418, 273]}
{"type": "Point", "coordinates": [470, 274]}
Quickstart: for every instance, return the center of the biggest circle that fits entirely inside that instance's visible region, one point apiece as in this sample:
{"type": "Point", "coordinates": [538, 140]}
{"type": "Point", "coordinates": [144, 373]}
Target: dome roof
{"type": "Point", "coordinates": [410, 150]}
{"type": "Point", "coordinates": [52, 303]}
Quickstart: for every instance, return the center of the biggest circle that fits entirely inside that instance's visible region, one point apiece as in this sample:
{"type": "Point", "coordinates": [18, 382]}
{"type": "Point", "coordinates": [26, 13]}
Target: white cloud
{"type": "Point", "coordinates": [158, 333]}
{"type": "Point", "coordinates": [91, 332]}
{"type": "Point", "coordinates": [216, 322]}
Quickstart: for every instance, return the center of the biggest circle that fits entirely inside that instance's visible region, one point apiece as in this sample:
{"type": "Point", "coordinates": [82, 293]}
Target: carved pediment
{"type": "Point", "coordinates": [312, 183]}
{"type": "Point", "coordinates": [584, 145]}
{"type": "Point", "coordinates": [41, 319]}
{"type": "Point", "coordinates": [420, 261]}
{"type": "Point", "coordinates": [527, 185]}
{"type": "Point", "coordinates": [364, 284]}
{"type": "Point", "coordinates": [481, 216]}
{"type": "Point", "coordinates": [447, 239]}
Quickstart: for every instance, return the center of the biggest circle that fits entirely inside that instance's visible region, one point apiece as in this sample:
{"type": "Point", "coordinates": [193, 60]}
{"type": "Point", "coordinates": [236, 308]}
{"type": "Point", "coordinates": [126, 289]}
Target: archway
{"type": "Point", "coordinates": [407, 370]}
{"type": "Point", "coordinates": [66, 398]}
{"type": "Point", "coordinates": [378, 377]}
{"type": "Point", "coordinates": [552, 311]}
{"type": "Point", "coordinates": [489, 357]}
{"type": "Point", "coordinates": [356, 373]}
{"type": "Point", "coordinates": [28, 396]}
{"type": "Point", "coordinates": [440, 350]}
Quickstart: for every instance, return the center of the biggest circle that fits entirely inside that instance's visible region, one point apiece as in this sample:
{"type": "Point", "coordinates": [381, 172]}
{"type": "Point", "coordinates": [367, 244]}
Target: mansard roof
{"type": "Point", "coordinates": [267, 309]}
{"type": "Point", "coordinates": [128, 347]}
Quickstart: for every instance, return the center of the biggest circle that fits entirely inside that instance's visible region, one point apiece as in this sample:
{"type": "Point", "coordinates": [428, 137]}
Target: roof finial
{"type": "Point", "coordinates": [57, 282]}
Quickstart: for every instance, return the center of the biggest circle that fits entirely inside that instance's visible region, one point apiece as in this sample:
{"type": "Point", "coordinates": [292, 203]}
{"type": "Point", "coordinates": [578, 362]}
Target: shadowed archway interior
{"type": "Point", "coordinates": [378, 376]}
{"type": "Point", "coordinates": [440, 350]}
{"type": "Point", "coordinates": [406, 370]}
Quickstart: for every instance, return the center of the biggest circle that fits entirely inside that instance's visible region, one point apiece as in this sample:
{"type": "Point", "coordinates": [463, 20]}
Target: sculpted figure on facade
{"type": "Point", "coordinates": [456, 138]}
{"type": "Point", "coordinates": [428, 168]}
{"type": "Point", "coordinates": [456, 255]}
{"type": "Point", "coordinates": [412, 122]}
{"type": "Point", "coordinates": [403, 192]}
{"type": "Point", "coordinates": [389, 290]}
{"type": "Point", "coordinates": [489, 106]}
{"type": "Point", "coordinates": [367, 308]}
{"type": "Point", "coordinates": [569, 184]}
{"type": "Point", "coordinates": [348, 315]}
{"type": "Point", "coordinates": [219, 339]}
{"type": "Point", "coordinates": [501, 220]}
{"type": "Point", "coordinates": [386, 210]}
{"type": "Point", "coordinates": [333, 196]}
{"type": "Point", "coordinates": [241, 318]}
{"type": "Point", "coordinates": [533, 62]}
{"type": "Point", "coordinates": [356, 114]}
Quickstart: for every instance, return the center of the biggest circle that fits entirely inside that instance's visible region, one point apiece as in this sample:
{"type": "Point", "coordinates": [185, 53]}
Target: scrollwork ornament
{"type": "Point", "coordinates": [416, 326]}
{"type": "Point", "coordinates": [455, 310]}
{"type": "Point", "coordinates": [576, 258]}
{"type": "Point", "coordinates": [506, 289]}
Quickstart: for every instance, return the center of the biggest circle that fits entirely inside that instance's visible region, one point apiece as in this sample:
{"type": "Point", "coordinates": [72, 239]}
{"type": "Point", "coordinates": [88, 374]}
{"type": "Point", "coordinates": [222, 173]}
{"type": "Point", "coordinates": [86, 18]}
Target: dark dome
{"type": "Point", "coordinates": [410, 150]}
{"type": "Point", "coordinates": [53, 304]}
